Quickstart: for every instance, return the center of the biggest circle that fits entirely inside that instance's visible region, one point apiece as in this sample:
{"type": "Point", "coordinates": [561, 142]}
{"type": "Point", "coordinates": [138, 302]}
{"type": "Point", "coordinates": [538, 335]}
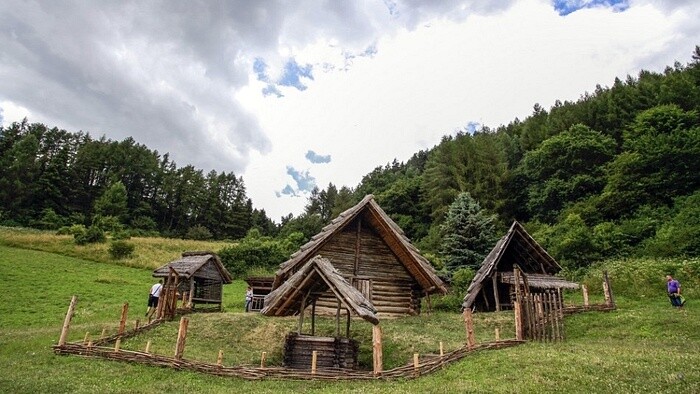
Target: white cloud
{"type": "Point", "coordinates": [389, 77]}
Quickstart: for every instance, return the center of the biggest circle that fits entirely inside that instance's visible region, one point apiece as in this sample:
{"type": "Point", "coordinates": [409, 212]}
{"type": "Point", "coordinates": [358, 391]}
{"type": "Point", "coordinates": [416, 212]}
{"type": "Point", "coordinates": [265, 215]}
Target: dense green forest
{"type": "Point", "coordinates": [612, 174]}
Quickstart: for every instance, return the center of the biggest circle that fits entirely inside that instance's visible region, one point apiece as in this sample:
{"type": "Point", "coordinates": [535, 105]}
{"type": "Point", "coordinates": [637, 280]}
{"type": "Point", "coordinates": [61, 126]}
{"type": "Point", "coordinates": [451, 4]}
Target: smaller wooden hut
{"type": "Point", "coordinates": [304, 288]}
{"type": "Point", "coordinates": [261, 286]}
{"type": "Point", "coordinates": [493, 284]}
{"type": "Point", "coordinates": [200, 278]}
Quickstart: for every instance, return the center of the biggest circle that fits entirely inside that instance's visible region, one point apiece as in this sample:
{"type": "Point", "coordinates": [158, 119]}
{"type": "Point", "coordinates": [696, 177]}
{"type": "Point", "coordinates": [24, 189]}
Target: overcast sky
{"type": "Point", "coordinates": [292, 94]}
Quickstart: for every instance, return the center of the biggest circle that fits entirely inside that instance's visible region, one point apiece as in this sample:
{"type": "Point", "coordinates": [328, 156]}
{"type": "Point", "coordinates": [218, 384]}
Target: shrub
{"type": "Point", "coordinates": [252, 253]}
{"type": "Point", "coordinates": [121, 249]}
{"type": "Point", "coordinates": [199, 233]}
{"type": "Point", "coordinates": [93, 234]}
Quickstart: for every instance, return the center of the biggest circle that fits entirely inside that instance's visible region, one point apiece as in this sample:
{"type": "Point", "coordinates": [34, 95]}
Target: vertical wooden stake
{"type": "Point", "coordinates": [66, 321]}
{"type": "Point", "coordinates": [85, 339]}
{"type": "Point", "coordinates": [518, 321]}
{"type": "Point", "coordinates": [497, 334]}
{"type": "Point", "coordinates": [89, 345]}
{"type": "Point", "coordinates": [584, 289]}
{"type": "Point", "coordinates": [377, 350]}
{"type": "Point", "coordinates": [148, 346]}
{"type": "Point", "coordinates": [416, 371]}
{"type": "Point", "coordinates": [181, 336]}
{"type": "Point", "coordinates": [136, 325]}
{"type": "Point", "coordinates": [609, 301]}
{"type": "Point", "coordinates": [104, 331]}
{"type": "Point", "coordinates": [262, 359]}
{"type": "Point", "coordinates": [220, 358]}
{"type": "Point", "coordinates": [117, 344]}
{"type": "Point", "coordinates": [122, 321]}
{"type": "Point", "coordinates": [314, 358]}
{"type": "Point", "coordinates": [442, 350]}
{"type": "Point", "coordinates": [469, 326]}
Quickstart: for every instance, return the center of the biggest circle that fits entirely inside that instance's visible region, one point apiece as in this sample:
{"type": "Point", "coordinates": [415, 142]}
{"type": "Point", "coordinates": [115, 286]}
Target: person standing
{"type": "Point", "coordinates": [674, 291]}
{"type": "Point", "coordinates": [153, 297]}
{"type": "Point", "coordinates": [248, 298]}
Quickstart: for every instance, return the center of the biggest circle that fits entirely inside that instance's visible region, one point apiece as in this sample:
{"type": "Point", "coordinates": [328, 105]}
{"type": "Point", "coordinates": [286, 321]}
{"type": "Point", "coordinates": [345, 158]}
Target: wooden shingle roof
{"type": "Point", "coordinates": [529, 255]}
{"type": "Point", "coordinates": [191, 262]}
{"type": "Point", "coordinates": [315, 277]}
{"type": "Point", "coordinates": [417, 265]}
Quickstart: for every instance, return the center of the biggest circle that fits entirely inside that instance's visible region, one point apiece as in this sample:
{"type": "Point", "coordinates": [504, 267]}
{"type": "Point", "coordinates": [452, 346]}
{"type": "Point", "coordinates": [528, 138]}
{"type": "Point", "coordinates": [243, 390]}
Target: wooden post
{"type": "Point", "coordinates": [416, 371]}
{"type": "Point", "coordinates": [518, 321]}
{"type": "Point", "coordinates": [442, 351]}
{"type": "Point", "coordinates": [104, 331]}
{"type": "Point", "coordinates": [314, 358]}
{"type": "Point", "coordinates": [85, 339]}
{"type": "Point", "coordinates": [181, 336]}
{"type": "Point", "coordinates": [313, 317]}
{"type": "Point", "coordinates": [302, 307]}
{"type": "Point", "coordinates": [220, 358]}
{"type": "Point", "coordinates": [497, 334]}
{"type": "Point", "coordinates": [494, 282]}
{"type": "Point", "coordinates": [469, 326]}
{"type": "Point", "coordinates": [262, 359]}
{"type": "Point", "coordinates": [190, 294]}
{"type": "Point", "coordinates": [584, 289]}
{"type": "Point", "coordinates": [377, 350]}
{"type": "Point", "coordinates": [337, 320]}
{"type": "Point", "coordinates": [136, 325]}
{"type": "Point", "coordinates": [89, 344]}
{"type": "Point", "coordinates": [117, 344]}
{"type": "Point", "coordinates": [122, 321]}
{"type": "Point", "coordinates": [66, 321]}
{"type": "Point", "coordinates": [347, 324]}
{"type": "Point", "coordinates": [148, 347]}
{"type": "Point", "coordinates": [609, 301]}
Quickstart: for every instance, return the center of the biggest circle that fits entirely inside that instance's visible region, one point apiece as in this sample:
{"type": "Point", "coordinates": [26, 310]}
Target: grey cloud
{"type": "Point", "coordinates": [316, 158]}
{"type": "Point", "coordinates": [166, 72]}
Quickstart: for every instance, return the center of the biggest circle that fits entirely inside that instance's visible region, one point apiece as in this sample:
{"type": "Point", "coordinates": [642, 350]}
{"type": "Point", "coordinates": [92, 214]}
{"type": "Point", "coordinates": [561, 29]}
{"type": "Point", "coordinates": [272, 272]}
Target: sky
{"type": "Point", "coordinates": [296, 94]}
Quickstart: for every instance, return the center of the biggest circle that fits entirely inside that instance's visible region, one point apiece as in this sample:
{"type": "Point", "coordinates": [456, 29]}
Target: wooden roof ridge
{"type": "Point", "coordinates": [191, 262]}
{"type": "Point", "coordinates": [421, 268]}
{"type": "Point", "coordinates": [318, 274]}
{"type": "Point", "coordinates": [516, 231]}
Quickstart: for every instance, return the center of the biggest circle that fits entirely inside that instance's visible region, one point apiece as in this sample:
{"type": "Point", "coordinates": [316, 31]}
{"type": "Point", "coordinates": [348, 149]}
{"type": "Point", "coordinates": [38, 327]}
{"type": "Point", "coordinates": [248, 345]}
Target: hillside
{"type": "Point", "coordinates": [643, 346]}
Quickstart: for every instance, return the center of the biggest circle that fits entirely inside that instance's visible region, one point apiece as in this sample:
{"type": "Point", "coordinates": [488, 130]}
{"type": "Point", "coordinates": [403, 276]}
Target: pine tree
{"type": "Point", "coordinates": [468, 232]}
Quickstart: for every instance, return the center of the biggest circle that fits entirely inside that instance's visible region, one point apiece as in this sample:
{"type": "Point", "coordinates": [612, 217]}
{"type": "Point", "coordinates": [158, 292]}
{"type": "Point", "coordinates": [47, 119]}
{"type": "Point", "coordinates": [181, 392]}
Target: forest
{"type": "Point", "coordinates": [613, 174]}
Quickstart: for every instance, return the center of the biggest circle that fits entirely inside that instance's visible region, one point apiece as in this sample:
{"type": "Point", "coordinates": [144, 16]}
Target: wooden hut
{"type": "Point", "coordinates": [492, 286]}
{"type": "Point", "coordinates": [312, 281]}
{"type": "Point", "coordinates": [261, 286]}
{"type": "Point", "coordinates": [200, 278]}
{"type": "Point", "coordinates": [372, 253]}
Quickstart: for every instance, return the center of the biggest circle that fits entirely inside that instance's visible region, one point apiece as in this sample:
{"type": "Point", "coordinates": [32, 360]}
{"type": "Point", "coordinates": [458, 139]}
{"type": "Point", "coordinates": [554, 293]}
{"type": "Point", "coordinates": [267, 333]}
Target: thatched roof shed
{"type": "Point", "coordinates": [201, 276]}
{"type": "Point", "coordinates": [373, 254]}
{"type": "Point", "coordinates": [316, 277]}
{"type": "Point", "coordinates": [490, 288]}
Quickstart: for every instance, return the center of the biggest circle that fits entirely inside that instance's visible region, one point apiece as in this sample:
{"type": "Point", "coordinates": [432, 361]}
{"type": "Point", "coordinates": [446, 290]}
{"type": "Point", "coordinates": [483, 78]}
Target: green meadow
{"type": "Point", "coordinates": [644, 346]}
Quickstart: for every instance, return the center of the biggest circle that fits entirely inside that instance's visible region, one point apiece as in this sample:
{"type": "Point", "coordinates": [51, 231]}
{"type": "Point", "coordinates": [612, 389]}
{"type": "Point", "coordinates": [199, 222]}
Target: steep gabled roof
{"type": "Point", "coordinates": [371, 213]}
{"type": "Point", "coordinates": [529, 255]}
{"type": "Point", "coordinates": [314, 278]}
{"type": "Point", "coordinates": [190, 263]}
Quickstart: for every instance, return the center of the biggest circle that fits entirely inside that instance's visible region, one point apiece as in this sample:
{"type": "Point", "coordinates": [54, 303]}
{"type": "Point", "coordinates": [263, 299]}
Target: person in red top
{"type": "Point", "coordinates": [674, 291]}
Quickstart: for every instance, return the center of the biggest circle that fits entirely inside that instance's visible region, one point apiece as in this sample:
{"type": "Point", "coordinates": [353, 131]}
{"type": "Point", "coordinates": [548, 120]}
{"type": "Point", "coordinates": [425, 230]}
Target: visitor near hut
{"type": "Point", "coordinates": [674, 292]}
{"type": "Point", "coordinates": [153, 297]}
{"type": "Point", "coordinates": [248, 298]}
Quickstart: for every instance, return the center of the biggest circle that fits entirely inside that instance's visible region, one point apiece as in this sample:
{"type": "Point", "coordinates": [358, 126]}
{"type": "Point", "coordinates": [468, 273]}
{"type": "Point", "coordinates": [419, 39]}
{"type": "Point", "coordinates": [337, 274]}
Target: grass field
{"type": "Point", "coordinates": [645, 346]}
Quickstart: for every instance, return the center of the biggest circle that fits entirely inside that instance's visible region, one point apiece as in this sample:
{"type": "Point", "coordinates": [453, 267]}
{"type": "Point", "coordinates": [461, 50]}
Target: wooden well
{"type": "Point", "coordinates": [332, 352]}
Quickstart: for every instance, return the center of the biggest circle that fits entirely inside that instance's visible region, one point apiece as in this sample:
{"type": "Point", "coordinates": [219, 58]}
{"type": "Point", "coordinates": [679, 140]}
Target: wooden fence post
{"type": "Point", "coordinates": [314, 358]}
{"type": "Point", "coordinates": [66, 321]}
{"type": "Point", "coordinates": [497, 334]}
{"type": "Point", "coordinates": [416, 371]}
{"type": "Point", "coordinates": [148, 346]}
{"type": "Point", "coordinates": [262, 359]}
{"type": "Point", "coordinates": [122, 321]}
{"type": "Point", "coordinates": [181, 336]}
{"type": "Point", "coordinates": [584, 290]}
{"type": "Point", "coordinates": [377, 350]}
{"type": "Point", "coordinates": [609, 301]}
{"type": "Point", "coordinates": [104, 331]}
{"type": "Point", "coordinates": [136, 325]}
{"type": "Point", "coordinates": [518, 321]}
{"type": "Point", "coordinates": [87, 336]}
{"type": "Point", "coordinates": [220, 358]}
{"type": "Point", "coordinates": [117, 344]}
{"type": "Point", "coordinates": [469, 326]}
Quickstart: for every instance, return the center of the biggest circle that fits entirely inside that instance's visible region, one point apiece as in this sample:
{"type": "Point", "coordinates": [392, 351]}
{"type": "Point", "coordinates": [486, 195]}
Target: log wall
{"type": "Point", "coordinates": [331, 352]}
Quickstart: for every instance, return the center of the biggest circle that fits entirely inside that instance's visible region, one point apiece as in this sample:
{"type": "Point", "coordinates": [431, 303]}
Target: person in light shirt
{"type": "Point", "coordinates": [153, 296]}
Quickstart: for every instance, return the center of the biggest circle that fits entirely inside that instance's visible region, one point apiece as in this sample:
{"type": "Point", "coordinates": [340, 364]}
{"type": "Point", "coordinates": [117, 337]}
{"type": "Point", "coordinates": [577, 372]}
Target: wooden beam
{"type": "Point", "coordinates": [494, 280]}
{"type": "Point", "coordinates": [377, 350]}
{"type": "Point", "coordinates": [358, 234]}
{"type": "Point", "coordinates": [66, 321]}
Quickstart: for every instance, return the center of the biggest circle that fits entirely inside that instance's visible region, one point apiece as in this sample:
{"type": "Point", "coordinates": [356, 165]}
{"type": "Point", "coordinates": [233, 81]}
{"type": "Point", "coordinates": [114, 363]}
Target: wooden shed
{"type": "Point", "coordinates": [200, 277]}
{"type": "Point", "coordinates": [312, 281]}
{"type": "Point", "coordinates": [261, 286]}
{"type": "Point", "coordinates": [372, 253]}
{"type": "Point", "coordinates": [492, 286]}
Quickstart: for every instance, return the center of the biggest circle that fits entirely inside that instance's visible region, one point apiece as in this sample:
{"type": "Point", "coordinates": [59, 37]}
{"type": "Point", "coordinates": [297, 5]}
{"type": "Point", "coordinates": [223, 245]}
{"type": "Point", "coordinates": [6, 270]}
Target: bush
{"type": "Point", "coordinates": [76, 229]}
{"type": "Point", "coordinates": [199, 233]}
{"type": "Point", "coordinates": [93, 234]}
{"type": "Point", "coordinates": [448, 303]}
{"type": "Point", "coordinates": [263, 254]}
{"type": "Point", "coordinates": [121, 249]}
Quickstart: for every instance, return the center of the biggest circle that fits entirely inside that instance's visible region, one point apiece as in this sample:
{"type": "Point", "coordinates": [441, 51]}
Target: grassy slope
{"type": "Point", "coordinates": [644, 346]}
